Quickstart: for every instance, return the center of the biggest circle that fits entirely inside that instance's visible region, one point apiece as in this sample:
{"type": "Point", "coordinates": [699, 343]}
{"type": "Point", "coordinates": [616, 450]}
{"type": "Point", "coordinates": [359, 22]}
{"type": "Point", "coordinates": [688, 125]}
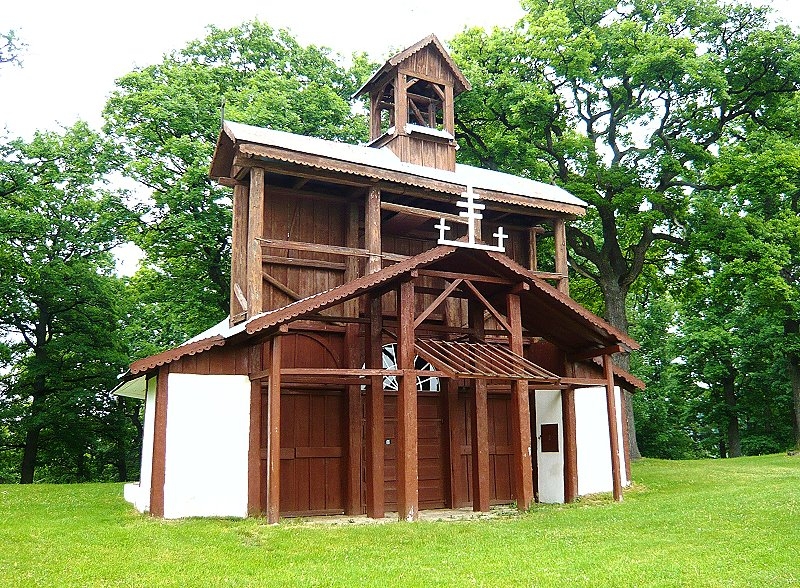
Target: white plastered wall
{"type": "Point", "coordinates": [592, 440]}
{"type": "Point", "coordinates": [208, 424]}
{"type": "Point", "coordinates": [550, 464]}
{"type": "Point", "coordinates": [139, 494]}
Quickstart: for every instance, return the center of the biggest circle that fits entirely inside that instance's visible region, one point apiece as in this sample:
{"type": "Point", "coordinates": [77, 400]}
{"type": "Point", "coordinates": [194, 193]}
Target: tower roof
{"type": "Point", "coordinates": [461, 83]}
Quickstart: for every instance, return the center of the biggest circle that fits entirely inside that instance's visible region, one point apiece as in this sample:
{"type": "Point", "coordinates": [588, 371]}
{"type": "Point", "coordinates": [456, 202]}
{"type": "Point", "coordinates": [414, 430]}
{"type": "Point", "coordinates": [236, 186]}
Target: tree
{"type": "Point", "coordinates": [167, 118]}
{"type": "Point", "coordinates": [11, 48]}
{"type": "Point", "coordinates": [57, 288]}
{"type": "Point", "coordinates": [625, 104]}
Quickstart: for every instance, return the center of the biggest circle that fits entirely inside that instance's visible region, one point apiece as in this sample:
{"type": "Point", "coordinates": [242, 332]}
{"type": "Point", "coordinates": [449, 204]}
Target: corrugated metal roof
{"type": "Point", "coordinates": [148, 363]}
{"type": "Point", "coordinates": [385, 159]}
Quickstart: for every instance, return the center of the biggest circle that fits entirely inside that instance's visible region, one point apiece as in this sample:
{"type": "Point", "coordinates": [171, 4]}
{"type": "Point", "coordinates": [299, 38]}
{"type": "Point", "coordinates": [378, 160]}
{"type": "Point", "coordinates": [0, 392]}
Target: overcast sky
{"type": "Point", "coordinates": [77, 48]}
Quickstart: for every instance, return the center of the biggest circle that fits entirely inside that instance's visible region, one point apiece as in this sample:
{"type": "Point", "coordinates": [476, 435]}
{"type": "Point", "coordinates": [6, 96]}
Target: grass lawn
{"type": "Point", "coordinates": [716, 523]}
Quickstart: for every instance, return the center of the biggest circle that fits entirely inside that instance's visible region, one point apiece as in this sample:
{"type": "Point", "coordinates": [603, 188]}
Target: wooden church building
{"type": "Point", "coordinates": [392, 345]}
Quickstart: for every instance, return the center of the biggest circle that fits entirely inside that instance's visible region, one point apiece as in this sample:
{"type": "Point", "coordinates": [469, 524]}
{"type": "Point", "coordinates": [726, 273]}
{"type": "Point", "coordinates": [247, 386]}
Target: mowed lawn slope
{"type": "Point", "coordinates": [695, 523]}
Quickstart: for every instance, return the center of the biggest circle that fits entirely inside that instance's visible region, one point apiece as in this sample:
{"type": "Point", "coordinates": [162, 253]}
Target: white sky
{"type": "Point", "coordinates": [77, 48]}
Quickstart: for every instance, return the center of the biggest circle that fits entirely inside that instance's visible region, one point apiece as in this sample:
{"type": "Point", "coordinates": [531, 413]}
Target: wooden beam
{"type": "Point", "coordinates": [400, 103]}
{"type": "Point", "coordinates": [280, 286]}
{"type": "Point", "coordinates": [317, 247]}
{"type": "Point", "coordinates": [470, 277]}
{"type": "Point", "coordinates": [612, 428]}
{"type": "Point", "coordinates": [239, 246]}
{"type": "Point", "coordinates": [255, 231]}
{"type": "Point", "coordinates": [372, 230]}
{"type": "Point", "coordinates": [407, 450]}
{"type": "Point", "coordinates": [255, 443]}
{"type": "Point", "coordinates": [435, 304]}
{"type": "Point", "coordinates": [570, 445]}
{"type": "Point", "coordinates": [522, 467]}
{"type": "Point", "coordinates": [413, 211]}
{"type": "Point", "coordinates": [480, 424]}
{"type": "Point", "coordinates": [353, 478]}
{"type": "Point", "coordinates": [274, 439]}
{"type": "Point", "coordinates": [533, 260]}
{"type": "Point", "coordinates": [492, 310]}
{"type": "Point", "coordinates": [300, 262]}
{"type": "Point", "coordinates": [351, 307]}
{"type": "Point", "coordinates": [158, 471]}
{"type": "Point", "coordinates": [560, 243]}
{"type": "Point", "coordinates": [375, 418]}
{"type": "Point", "coordinates": [590, 353]}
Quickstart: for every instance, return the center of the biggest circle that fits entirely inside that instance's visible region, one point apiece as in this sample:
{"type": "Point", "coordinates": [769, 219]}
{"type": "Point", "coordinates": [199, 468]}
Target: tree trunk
{"type": "Point", "coordinates": [616, 314]}
{"type": "Point", "coordinates": [734, 440]}
{"type": "Point", "coordinates": [794, 378]}
{"type": "Point", "coordinates": [29, 455]}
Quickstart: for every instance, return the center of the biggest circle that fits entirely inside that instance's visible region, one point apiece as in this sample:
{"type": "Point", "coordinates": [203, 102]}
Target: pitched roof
{"type": "Point", "coordinates": [546, 312]}
{"type": "Point", "coordinates": [462, 84]}
{"type": "Point", "coordinates": [383, 164]}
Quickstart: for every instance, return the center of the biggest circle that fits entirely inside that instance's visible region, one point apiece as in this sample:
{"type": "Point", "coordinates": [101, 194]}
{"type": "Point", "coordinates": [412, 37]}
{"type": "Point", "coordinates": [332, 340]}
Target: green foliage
{"type": "Point", "coordinates": [167, 119]}
{"type": "Point", "coordinates": [670, 531]}
{"type": "Point", "coordinates": [58, 293]}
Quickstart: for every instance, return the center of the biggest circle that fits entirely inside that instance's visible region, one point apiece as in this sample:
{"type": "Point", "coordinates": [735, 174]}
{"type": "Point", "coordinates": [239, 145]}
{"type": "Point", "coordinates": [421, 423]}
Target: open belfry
{"type": "Point", "coordinates": [392, 345]}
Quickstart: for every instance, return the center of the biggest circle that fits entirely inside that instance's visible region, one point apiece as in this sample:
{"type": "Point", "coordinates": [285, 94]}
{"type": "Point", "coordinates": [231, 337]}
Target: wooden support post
{"type": "Point", "coordinates": [480, 423]}
{"type": "Point", "coordinates": [626, 397]}
{"type": "Point", "coordinates": [560, 243]}
{"type": "Point", "coordinates": [255, 473]}
{"type": "Point", "coordinates": [448, 110]}
{"type": "Point", "coordinates": [274, 432]}
{"type": "Point", "coordinates": [255, 231]}
{"type": "Point", "coordinates": [533, 260]}
{"type": "Point", "coordinates": [158, 474]}
{"type": "Point", "coordinates": [372, 231]}
{"type": "Point", "coordinates": [455, 472]}
{"type": "Point", "coordinates": [570, 445]}
{"type": "Point", "coordinates": [353, 482]}
{"type": "Point", "coordinates": [241, 204]}
{"type": "Point", "coordinates": [407, 460]}
{"type": "Point", "coordinates": [520, 414]}
{"type": "Point", "coordinates": [612, 427]}
{"type": "Point", "coordinates": [374, 426]}
{"type": "Point", "coordinates": [400, 104]}
{"type": "Point", "coordinates": [351, 261]}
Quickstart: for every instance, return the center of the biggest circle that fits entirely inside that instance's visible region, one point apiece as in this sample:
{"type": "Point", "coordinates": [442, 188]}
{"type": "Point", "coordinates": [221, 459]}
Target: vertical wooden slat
{"type": "Point", "coordinates": [375, 113]}
{"type": "Point", "coordinates": [560, 243]}
{"type": "Point", "coordinates": [407, 448]}
{"type": "Point", "coordinates": [274, 442]}
{"type": "Point", "coordinates": [448, 110]}
{"type": "Point", "coordinates": [255, 229]}
{"type": "Point", "coordinates": [241, 205]}
{"type": "Point", "coordinates": [375, 425]}
{"type": "Point", "coordinates": [373, 230]}
{"type": "Point", "coordinates": [353, 481]}
{"type": "Point", "coordinates": [612, 428]}
{"type": "Point", "coordinates": [453, 441]}
{"type": "Point", "coordinates": [159, 444]}
{"type": "Point", "coordinates": [480, 423]}
{"type": "Point", "coordinates": [520, 414]}
{"type": "Point", "coordinates": [570, 445]}
{"type": "Point", "coordinates": [351, 262]}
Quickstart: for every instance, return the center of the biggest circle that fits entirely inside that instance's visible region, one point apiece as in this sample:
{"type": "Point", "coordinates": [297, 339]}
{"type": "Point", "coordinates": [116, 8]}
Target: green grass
{"type": "Point", "coordinates": [697, 523]}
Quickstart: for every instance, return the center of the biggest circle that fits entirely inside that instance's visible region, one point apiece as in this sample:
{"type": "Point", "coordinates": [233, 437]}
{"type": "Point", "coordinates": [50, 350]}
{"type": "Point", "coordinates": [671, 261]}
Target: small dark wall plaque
{"type": "Point", "coordinates": [550, 438]}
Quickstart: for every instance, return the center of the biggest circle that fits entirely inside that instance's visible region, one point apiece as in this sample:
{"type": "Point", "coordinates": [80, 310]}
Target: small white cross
{"type": "Point", "coordinates": [442, 228]}
{"type": "Point", "coordinates": [501, 236]}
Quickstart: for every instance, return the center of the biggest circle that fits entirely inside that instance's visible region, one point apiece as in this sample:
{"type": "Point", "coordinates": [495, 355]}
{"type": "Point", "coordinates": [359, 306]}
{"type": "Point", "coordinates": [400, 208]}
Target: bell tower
{"type": "Point", "coordinates": [411, 104]}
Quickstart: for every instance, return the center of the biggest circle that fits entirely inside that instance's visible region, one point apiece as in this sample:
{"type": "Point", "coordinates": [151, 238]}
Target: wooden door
{"type": "Point", "coordinates": [313, 452]}
{"type": "Point", "coordinates": [501, 488]}
{"type": "Point", "coordinates": [431, 462]}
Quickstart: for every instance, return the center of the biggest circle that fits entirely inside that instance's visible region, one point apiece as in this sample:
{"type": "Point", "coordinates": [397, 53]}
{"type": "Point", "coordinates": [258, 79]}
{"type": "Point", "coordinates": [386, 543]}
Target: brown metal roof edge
{"type": "Point", "coordinates": [566, 300]}
{"type": "Point", "coordinates": [622, 374]}
{"type": "Point", "coordinates": [147, 363]}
